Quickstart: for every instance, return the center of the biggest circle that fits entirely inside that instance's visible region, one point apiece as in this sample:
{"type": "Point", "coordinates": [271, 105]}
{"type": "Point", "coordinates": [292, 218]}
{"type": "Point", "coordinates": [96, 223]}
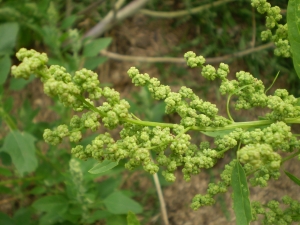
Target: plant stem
{"type": "Point", "coordinates": [13, 181]}
{"type": "Point", "coordinates": [8, 120]}
{"type": "Point", "coordinates": [290, 156]}
{"type": "Point", "coordinates": [179, 13]}
{"type": "Point", "coordinates": [161, 200]}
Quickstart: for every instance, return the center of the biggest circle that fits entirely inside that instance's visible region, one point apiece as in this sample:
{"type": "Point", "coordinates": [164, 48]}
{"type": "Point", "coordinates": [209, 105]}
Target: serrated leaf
{"type": "Point", "coordinates": [20, 147]}
{"type": "Point", "coordinates": [9, 32]}
{"type": "Point", "coordinates": [131, 219]}
{"type": "Point", "coordinates": [293, 178]}
{"type": "Point", "coordinates": [5, 65]}
{"type": "Point", "coordinates": [52, 203]}
{"type": "Point", "coordinates": [118, 203]}
{"type": "Point", "coordinates": [241, 202]}
{"type": "Point", "coordinates": [293, 22]}
{"type": "Point", "coordinates": [94, 47]}
{"type": "Point", "coordinates": [103, 167]}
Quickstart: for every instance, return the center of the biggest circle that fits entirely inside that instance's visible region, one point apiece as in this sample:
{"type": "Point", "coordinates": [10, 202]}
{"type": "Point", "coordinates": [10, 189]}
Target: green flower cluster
{"type": "Point", "coordinates": [257, 149]}
{"type": "Point", "coordinates": [193, 110]}
{"type": "Point", "coordinates": [273, 214]}
{"type": "Point", "coordinates": [280, 38]}
{"type": "Point", "coordinates": [282, 105]}
{"type": "Point", "coordinates": [214, 188]}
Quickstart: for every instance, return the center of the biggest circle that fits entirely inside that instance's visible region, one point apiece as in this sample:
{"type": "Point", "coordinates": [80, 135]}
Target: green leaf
{"type": "Point", "coordinates": [98, 215]}
{"type": "Point", "coordinates": [293, 22]}
{"type": "Point", "coordinates": [94, 47]}
{"type": "Point", "coordinates": [103, 167]}
{"type": "Point", "coordinates": [23, 216]}
{"type": "Point", "coordinates": [118, 203]}
{"type": "Point", "coordinates": [38, 190]}
{"type": "Point", "coordinates": [5, 190]}
{"type": "Point", "coordinates": [50, 218]}
{"type": "Point", "coordinates": [131, 219]}
{"type": "Point", "coordinates": [20, 147]}
{"type": "Point", "coordinates": [5, 219]}
{"type": "Point", "coordinates": [5, 172]}
{"type": "Point", "coordinates": [116, 219]}
{"type": "Point", "coordinates": [158, 112]}
{"type": "Point", "coordinates": [52, 203]}
{"type": "Point", "coordinates": [68, 22]}
{"type": "Point", "coordinates": [106, 187]}
{"type": "Point", "coordinates": [9, 32]}
{"type": "Point", "coordinates": [5, 65]}
{"type": "Point", "coordinates": [18, 84]}
{"type": "Point", "coordinates": [293, 178]}
{"type": "Point", "coordinates": [241, 202]}
{"type": "Point", "coordinates": [217, 133]}
{"type": "Point", "coordinates": [93, 62]}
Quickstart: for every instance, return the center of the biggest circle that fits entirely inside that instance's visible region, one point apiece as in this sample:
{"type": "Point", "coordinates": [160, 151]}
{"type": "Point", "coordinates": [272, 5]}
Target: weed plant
{"type": "Point", "coordinates": [154, 145]}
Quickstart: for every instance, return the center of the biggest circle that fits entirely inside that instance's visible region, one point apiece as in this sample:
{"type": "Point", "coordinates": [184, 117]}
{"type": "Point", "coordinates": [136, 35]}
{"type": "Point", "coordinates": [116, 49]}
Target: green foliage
{"type": "Point", "coordinates": [293, 178]}
{"type": "Point", "coordinates": [20, 147]}
{"type": "Point", "coordinates": [131, 219]}
{"type": "Point", "coordinates": [294, 32]}
{"type": "Point", "coordinates": [241, 201]}
{"type": "Point", "coordinates": [106, 165]}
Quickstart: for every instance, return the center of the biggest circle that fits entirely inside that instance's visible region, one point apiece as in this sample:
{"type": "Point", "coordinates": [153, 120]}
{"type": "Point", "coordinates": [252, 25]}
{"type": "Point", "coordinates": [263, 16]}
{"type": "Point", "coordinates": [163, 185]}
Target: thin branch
{"type": "Point", "coordinates": [224, 58]}
{"type": "Point", "coordinates": [91, 7]}
{"type": "Point", "coordinates": [253, 28]}
{"type": "Point", "coordinates": [161, 200]}
{"type": "Point", "coordinates": [108, 21]}
{"type": "Point", "coordinates": [180, 13]}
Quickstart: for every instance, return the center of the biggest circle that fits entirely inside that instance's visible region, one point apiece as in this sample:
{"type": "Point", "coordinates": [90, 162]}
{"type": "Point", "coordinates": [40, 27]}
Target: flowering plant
{"type": "Point", "coordinates": [256, 144]}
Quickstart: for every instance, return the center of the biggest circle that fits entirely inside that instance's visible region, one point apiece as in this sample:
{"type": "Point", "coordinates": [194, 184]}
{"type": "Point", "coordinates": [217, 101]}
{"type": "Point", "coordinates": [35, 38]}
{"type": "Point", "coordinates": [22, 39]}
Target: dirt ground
{"type": "Point", "coordinates": [138, 36]}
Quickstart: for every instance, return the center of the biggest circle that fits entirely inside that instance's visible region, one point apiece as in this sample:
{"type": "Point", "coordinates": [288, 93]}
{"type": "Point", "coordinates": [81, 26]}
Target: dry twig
{"type": "Point", "coordinates": [224, 58]}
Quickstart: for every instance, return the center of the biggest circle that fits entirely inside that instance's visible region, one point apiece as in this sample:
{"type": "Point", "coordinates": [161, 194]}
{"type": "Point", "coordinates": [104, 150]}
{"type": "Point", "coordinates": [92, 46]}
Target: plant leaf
{"type": "Point", "coordinates": [5, 219]}
{"type": "Point", "coordinates": [94, 47]}
{"type": "Point", "coordinates": [131, 219]}
{"type": "Point", "coordinates": [18, 84]}
{"type": "Point", "coordinates": [93, 62]}
{"type": "Point", "coordinates": [241, 202]}
{"type": "Point", "coordinates": [293, 21]}
{"type": "Point", "coordinates": [5, 65]}
{"type": "Point", "coordinates": [293, 178]}
{"type": "Point", "coordinates": [118, 203]}
{"type": "Point", "coordinates": [52, 203]}
{"type": "Point", "coordinates": [20, 147]}
{"type": "Point", "coordinates": [103, 167]}
{"type": "Point", "coordinates": [217, 133]}
{"type": "Point", "coordinates": [9, 32]}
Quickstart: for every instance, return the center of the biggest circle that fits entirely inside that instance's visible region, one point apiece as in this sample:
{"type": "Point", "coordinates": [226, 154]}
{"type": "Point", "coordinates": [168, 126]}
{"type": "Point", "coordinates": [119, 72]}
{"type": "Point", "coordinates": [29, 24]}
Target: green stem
{"type": "Point", "coordinates": [227, 108]}
{"type": "Point", "coordinates": [8, 120]}
{"type": "Point", "coordinates": [13, 181]}
{"type": "Point", "coordinates": [289, 157]}
{"type": "Point", "coordinates": [272, 82]}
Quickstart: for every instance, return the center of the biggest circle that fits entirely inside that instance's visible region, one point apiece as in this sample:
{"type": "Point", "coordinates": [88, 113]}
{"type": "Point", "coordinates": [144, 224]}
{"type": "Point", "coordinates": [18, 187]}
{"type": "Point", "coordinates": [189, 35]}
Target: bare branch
{"type": "Point", "coordinates": [228, 57]}
{"type": "Point", "coordinates": [109, 19]}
